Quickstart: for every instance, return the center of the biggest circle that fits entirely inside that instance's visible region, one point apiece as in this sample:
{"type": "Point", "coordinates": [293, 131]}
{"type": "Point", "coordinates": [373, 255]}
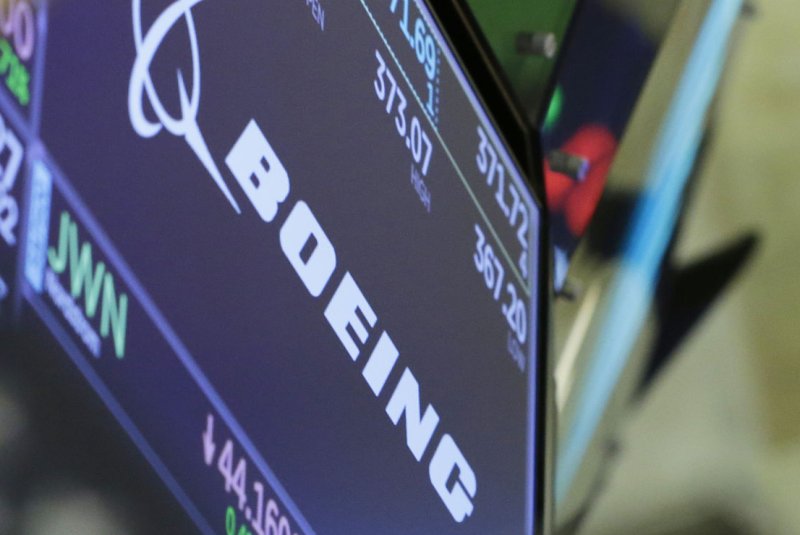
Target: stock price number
{"type": "Point", "coordinates": [232, 523]}
{"type": "Point", "coordinates": [489, 266]}
{"type": "Point", "coordinates": [417, 140]}
{"type": "Point", "coordinates": [423, 44]}
{"type": "Point", "coordinates": [17, 45]}
{"type": "Point", "coordinates": [506, 195]}
{"type": "Point", "coordinates": [267, 518]}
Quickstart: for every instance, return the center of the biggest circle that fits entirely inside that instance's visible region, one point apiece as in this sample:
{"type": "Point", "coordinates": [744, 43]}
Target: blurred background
{"type": "Point", "coordinates": [714, 447]}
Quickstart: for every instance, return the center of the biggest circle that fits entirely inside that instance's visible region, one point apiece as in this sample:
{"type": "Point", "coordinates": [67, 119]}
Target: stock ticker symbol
{"type": "Point", "coordinates": [141, 83]}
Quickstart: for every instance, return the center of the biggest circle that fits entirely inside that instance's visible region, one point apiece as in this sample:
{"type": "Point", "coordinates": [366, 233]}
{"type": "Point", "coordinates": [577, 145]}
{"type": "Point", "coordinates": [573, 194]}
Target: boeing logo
{"type": "Point", "coordinates": [141, 84]}
{"type": "Point", "coordinates": [266, 183]}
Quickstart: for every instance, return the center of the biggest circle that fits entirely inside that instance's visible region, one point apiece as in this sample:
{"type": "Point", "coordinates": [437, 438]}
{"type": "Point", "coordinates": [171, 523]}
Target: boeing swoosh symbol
{"type": "Point", "coordinates": [141, 83]}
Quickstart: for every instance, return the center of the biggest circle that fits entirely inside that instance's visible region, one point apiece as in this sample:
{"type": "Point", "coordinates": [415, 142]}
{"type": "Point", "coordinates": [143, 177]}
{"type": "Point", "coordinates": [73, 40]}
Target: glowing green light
{"type": "Point", "coordinates": [555, 109]}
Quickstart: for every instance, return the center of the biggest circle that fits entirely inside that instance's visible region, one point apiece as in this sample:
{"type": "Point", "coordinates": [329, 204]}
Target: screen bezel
{"type": "Point", "coordinates": [472, 51]}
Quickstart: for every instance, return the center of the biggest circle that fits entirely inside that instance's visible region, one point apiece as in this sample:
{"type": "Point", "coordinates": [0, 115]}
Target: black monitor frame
{"type": "Point", "coordinates": [493, 88]}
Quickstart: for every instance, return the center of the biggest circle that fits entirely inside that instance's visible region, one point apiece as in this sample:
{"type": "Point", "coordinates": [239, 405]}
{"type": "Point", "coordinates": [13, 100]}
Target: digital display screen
{"type": "Point", "coordinates": [287, 247]}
